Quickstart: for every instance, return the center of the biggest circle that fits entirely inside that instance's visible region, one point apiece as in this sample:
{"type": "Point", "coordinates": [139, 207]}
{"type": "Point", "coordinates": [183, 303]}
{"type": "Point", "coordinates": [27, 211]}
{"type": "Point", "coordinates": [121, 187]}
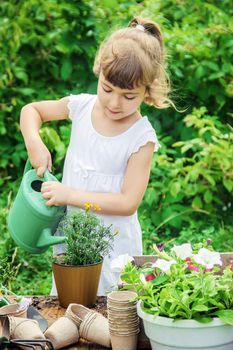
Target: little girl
{"type": "Point", "coordinates": [111, 146]}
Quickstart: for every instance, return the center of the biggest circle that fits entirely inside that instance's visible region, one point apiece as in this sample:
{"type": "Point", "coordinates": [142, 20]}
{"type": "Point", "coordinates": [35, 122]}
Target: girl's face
{"type": "Point", "coordinates": [118, 103]}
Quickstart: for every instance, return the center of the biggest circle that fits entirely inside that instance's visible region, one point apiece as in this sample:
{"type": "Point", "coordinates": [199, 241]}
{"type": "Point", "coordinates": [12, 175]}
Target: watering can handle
{"type": "Point", "coordinates": [46, 175]}
{"type": "Point", "coordinates": [27, 167]}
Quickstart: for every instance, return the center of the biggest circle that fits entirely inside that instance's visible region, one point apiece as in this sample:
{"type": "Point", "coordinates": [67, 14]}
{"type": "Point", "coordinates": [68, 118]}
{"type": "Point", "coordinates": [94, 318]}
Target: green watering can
{"type": "Point", "coordinates": [31, 222]}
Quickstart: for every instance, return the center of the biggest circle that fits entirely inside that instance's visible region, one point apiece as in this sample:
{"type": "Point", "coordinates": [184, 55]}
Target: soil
{"type": "Point", "coordinates": [43, 302]}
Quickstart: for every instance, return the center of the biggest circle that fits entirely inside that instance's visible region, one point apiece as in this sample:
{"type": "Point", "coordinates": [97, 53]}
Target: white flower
{"type": "Point", "coordinates": [24, 303]}
{"type": "Point", "coordinates": [164, 265]}
{"type": "Point", "coordinates": [142, 278]}
{"type": "Point", "coordinates": [119, 263]}
{"type": "Point", "coordinates": [207, 258]}
{"type": "Point", "coordinates": [183, 251]}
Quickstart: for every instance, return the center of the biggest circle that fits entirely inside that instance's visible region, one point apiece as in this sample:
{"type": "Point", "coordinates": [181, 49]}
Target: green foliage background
{"type": "Point", "coordinates": [47, 49]}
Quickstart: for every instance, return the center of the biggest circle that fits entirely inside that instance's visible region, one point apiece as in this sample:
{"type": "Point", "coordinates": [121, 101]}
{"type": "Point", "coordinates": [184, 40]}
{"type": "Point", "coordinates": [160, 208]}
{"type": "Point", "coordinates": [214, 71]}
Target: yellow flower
{"type": "Point", "coordinates": [97, 207]}
{"type": "Point", "coordinates": [88, 205]}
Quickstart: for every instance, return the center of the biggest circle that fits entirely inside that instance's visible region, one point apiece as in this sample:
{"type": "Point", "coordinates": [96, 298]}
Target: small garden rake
{"type": "Point", "coordinates": [28, 343]}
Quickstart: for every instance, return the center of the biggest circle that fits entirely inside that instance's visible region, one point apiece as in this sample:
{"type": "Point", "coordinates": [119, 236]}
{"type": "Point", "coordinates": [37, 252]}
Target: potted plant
{"type": "Point", "coordinates": [185, 297]}
{"type": "Point", "coordinates": [77, 271]}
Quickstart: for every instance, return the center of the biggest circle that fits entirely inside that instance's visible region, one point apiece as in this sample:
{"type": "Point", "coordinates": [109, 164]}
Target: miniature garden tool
{"type": "Point", "coordinates": [31, 222]}
{"type": "Point", "coordinates": [33, 314]}
{"type": "Point", "coordinates": [5, 343]}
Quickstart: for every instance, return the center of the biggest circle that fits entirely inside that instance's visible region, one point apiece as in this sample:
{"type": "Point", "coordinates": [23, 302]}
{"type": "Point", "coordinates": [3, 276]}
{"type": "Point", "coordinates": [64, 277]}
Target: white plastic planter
{"type": "Point", "coordinates": [167, 334]}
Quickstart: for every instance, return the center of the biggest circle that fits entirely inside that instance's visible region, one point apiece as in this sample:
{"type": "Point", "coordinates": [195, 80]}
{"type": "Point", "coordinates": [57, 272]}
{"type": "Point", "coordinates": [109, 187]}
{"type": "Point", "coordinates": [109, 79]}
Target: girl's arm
{"type": "Point", "coordinates": [31, 117]}
{"type": "Point", "coordinates": [124, 203]}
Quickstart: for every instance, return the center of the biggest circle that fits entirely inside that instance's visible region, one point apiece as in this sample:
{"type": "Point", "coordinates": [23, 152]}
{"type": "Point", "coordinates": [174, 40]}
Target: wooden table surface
{"type": "Point", "coordinates": [50, 309]}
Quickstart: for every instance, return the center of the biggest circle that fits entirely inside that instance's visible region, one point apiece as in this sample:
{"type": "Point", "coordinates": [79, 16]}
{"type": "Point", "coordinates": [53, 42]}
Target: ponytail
{"type": "Point", "coordinates": [135, 56]}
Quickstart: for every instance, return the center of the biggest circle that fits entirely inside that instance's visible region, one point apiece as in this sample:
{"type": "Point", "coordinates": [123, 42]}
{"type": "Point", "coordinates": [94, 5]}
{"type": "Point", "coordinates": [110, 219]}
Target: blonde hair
{"type": "Point", "coordinates": [135, 56]}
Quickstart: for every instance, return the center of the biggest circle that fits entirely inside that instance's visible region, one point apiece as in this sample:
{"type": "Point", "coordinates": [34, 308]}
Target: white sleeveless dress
{"type": "Point", "coordinates": [97, 163]}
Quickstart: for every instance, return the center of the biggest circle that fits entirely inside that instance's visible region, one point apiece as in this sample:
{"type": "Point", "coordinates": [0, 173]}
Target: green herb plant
{"type": "Point", "coordinates": [186, 283]}
{"type": "Point", "coordinates": [88, 239]}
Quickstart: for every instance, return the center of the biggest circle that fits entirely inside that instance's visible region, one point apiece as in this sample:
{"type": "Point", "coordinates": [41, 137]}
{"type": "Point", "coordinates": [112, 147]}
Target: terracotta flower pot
{"type": "Point", "coordinates": [77, 284]}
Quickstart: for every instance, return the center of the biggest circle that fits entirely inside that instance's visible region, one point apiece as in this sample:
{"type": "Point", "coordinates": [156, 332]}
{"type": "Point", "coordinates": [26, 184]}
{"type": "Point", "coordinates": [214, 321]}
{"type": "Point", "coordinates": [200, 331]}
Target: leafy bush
{"type": "Point", "coordinates": [8, 270]}
{"type": "Point", "coordinates": [199, 180]}
{"type": "Point", "coordinates": [193, 231]}
{"type": "Point", "coordinates": [198, 38]}
{"type": "Point", "coordinates": [47, 49]}
{"type": "Point", "coordinates": [193, 189]}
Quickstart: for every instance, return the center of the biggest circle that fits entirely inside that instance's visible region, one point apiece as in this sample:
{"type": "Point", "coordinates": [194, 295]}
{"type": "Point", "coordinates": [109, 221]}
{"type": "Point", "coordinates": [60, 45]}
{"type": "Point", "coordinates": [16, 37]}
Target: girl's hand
{"type": "Point", "coordinates": [39, 156]}
{"type": "Point", "coordinates": [56, 193]}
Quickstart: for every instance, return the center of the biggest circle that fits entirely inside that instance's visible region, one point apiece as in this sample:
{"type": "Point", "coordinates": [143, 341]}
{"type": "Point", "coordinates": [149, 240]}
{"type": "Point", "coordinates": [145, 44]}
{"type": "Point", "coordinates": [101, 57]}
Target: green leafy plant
{"type": "Point", "coordinates": [88, 239]}
{"type": "Point", "coordinates": [194, 179]}
{"type": "Point", "coordinates": [48, 53]}
{"type": "Point", "coordinates": [8, 270]}
{"type": "Point", "coordinates": [185, 283]}
{"type": "Point", "coordinates": [197, 37]}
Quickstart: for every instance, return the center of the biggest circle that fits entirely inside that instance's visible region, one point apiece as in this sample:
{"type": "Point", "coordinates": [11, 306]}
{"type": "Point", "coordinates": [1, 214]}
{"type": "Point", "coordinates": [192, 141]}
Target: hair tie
{"type": "Point", "coordinates": [140, 27]}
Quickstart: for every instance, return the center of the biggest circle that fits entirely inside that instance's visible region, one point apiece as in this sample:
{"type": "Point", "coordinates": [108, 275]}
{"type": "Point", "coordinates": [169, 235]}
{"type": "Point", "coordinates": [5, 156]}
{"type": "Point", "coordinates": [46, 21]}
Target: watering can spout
{"type": "Point", "coordinates": [47, 239]}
